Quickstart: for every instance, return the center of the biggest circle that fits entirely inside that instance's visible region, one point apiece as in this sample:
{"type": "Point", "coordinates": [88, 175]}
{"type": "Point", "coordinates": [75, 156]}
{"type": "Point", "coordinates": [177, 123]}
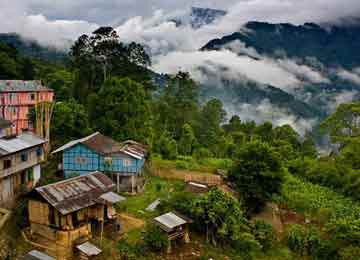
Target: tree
{"type": "Point", "coordinates": [212, 115]}
{"type": "Point", "coordinates": [178, 105]}
{"type": "Point", "coordinates": [344, 124]}
{"type": "Point", "coordinates": [121, 109]}
{"type": "Point", "coordinates": [187, 140]}
{"type": "Point", "coordinates": [61, 81]}
{"type": "Point", "coordinates": [234, 125]}
{"type": "Point", "coordinates": [220, 216]}
{"type": "Point", "coordinates": [101, 55]}
{"type": "Point", "coordinates": [167, 146]}
{"type": "Point", "coordinates": [155, 239]}
{"type": "Point", "coordinates": [70, 121]}
{"type": "Point", "coordinates": [258, 174]}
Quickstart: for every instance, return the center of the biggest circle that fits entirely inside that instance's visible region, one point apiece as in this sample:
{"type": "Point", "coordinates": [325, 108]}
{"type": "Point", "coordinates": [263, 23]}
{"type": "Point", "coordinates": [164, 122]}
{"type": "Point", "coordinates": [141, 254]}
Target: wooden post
{"type": "Point", "coordinates": [169, 247]}
{"type": "Point", "coordinates": [132, 183]}
{"type": "Point", "coordinates": [186, 236]}
{"type": "Point", "coordinates": [118, 182]}
{"type": "Point", "coordinates": [102, 231]}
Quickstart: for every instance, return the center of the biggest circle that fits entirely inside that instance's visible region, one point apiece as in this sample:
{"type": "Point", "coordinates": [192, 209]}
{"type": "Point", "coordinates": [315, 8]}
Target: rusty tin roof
{"type": "Point", "coordinates": [76, 193]}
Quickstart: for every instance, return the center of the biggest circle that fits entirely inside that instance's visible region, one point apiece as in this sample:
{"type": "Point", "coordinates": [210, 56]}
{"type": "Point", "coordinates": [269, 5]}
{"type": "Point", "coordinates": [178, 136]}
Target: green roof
{"type": "Point", "coordinates": [22, 86]}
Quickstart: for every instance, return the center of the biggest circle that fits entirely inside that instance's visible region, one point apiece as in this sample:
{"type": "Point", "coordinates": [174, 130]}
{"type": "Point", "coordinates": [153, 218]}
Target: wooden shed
{"type": "Point", "coordinates": [175, 225]}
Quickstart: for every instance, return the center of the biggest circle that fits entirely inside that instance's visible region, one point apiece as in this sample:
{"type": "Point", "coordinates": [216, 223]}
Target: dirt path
{"type": "Point", "coordinates": [129, 222]}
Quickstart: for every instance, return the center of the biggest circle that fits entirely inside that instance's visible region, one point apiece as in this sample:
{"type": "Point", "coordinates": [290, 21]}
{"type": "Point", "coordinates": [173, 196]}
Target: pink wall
{"type": "Point", "coordinates": [15, 106]}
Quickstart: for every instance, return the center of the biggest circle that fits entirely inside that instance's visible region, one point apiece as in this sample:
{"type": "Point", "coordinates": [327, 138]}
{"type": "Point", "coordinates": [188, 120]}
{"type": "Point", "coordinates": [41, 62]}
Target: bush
{"type": "Point", "coordinates": [155, 239]}
{"type": "Point", "coordinates": [264, 234]}
{"type": "Point", "coordinates": [296, 240]}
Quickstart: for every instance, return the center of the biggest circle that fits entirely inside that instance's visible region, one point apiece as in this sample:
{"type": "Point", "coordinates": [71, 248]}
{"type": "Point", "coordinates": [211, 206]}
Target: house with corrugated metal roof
{"type": "Point", "coordinates": [18, 97]}
{"type": "Point", "coordinates": [68, 213]}
{"type": "Point", "coordinates": [123, 162]}
{"type": "Point", "coordinates": [20, 158]}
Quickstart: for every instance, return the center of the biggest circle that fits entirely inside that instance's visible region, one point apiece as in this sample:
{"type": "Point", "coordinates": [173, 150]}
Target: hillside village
{"type": "Point", "coordinates": [99, 162]}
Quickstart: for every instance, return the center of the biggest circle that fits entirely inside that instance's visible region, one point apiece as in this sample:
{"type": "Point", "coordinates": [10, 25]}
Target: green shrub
{"type": "Point", "coordinates": [350, 253]}
{"type": "Point", "coordinates": [155, 239]}
{"type": "Point", "coordinates": [264, 234]}
{"type": "Point", "coordinates": [296, 239]}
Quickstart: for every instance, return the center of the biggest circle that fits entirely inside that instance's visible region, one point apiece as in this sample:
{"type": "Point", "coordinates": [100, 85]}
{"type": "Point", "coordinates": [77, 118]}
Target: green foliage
{"type": "Point", "coordinates": [264, 234]}
{"type": "Point", "coordinates": [70, 121]}
{"type": "Point", "coordinates": [155, 239]}
{"type": "Point", "coordinates": [14, 66]}
{"type": "Point", "coordinates": [167, 146]}
{"type": "Point", "coordinates": [187, 140]}
{"type": "Point", "coordinates": [220, 217]}
{"type": "Point", "coordinates": [257, 174]}
{"type": "Point", "coordinates": [121, 109]}
{"type": "Point", "coordinates": [212, 115]}
{"type": "Point", "coordinates": [343, 125]}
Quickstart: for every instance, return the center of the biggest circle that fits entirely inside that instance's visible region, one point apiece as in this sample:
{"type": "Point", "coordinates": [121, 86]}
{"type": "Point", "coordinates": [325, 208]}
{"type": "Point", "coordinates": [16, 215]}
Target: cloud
{"type": "Point", "coordinates": [266, 111]}
{"type": "Point", "coordinates": [282, 73]}
{"type": "Point", "coordinates": [76, 17]}
{"type": "Point", "coordinates": [350, 76]}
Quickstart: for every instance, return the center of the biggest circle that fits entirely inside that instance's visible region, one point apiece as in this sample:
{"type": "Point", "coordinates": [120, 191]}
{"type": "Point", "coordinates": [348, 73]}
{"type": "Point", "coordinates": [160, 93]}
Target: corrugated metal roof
{"type": "Point", "coordinates": [170, 220]}
{"type": "Point", "coordinates": [36, 255]}
{"type": "Point", "coordinates": [21, 142]}
{"type": "Point", "coordinates": [89, 249]}
{"type": "Point", "coordinates": [112, 197]}
{"type": "Point", "coordinates": [76, 193]}
{"type": "Point", "coordinates": [74, 142]}
{"type": "Point", "coordinates": [22, 86]}
{"type": "Point", "coordinates": [105, 145]}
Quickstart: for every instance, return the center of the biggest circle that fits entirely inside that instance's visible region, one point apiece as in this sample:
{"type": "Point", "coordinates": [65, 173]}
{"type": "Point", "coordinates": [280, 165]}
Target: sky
{"type": "Point", "coordinates": [55, 21]}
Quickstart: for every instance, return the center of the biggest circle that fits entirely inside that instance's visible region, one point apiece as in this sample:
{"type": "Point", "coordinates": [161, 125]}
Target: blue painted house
{"type": "Point", "coordinates": [123, 162]}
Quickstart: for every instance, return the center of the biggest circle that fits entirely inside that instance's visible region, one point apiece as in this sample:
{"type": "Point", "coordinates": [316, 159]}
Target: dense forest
{"type": "Point", "coordinates": [106, 86]}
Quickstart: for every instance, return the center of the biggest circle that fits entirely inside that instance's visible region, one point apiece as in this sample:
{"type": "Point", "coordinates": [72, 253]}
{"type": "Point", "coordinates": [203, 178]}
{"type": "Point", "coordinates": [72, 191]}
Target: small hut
{"type": "Point", "coordinates": [175, 225]}
{"type": "Point", "coordinates": [196, 187]}
{"type": "Point", "coordinates": [87, 251]}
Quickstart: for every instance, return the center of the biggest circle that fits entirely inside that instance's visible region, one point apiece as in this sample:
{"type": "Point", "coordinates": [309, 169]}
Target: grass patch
{"type": "Point", "coordinates": [155, 188]}
{"type": "Point", "coordinates": [209, 165]}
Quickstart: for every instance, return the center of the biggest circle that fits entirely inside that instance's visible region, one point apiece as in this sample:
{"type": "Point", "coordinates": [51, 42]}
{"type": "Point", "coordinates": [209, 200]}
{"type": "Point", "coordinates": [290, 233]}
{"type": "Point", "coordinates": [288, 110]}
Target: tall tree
{"type": "Point", "coordinates": [344, 124]}
{"type": "Point", "coordinates": [258, 174]}
{"type": "Point", "coordinates": [212, 115]}
{"type": "Point", "coordinates": [96, 57]}
{"type": "Point", "coordinates": [121, 109]}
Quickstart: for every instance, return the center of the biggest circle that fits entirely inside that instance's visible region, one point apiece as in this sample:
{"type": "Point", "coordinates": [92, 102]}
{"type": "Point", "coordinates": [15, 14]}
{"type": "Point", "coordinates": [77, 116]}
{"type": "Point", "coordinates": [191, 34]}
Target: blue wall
{"type": "Point", "coordinates": [81, 160]}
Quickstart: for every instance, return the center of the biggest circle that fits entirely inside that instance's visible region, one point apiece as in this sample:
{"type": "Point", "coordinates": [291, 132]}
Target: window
{"type": "Point", "coordinates": [30, 174]}
{"type": "Point", "coordinates": [32, 96]}
{"type": "Point", "coordinates": [127, 162]}
{"type": "Point", "coordinates": [80, 160]}
{"type": "Point", "coordinates": [7, 164]}
{"type": "Point", "coordinates": [24, 157]}
{"type": "Point", "coordinates": [39, 151]}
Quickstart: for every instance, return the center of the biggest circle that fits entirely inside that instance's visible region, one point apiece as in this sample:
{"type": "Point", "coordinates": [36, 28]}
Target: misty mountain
{"type": "Point", "coordinates": [333, 46]}
{"type": "Point", "coordinates": [198, 17]}
{"type": "Point", "coordinates": [31, 48]}
{"type": "Point", "coordinates": [204, 16]}
{"type": "Point", "coordinates": [325, 59]}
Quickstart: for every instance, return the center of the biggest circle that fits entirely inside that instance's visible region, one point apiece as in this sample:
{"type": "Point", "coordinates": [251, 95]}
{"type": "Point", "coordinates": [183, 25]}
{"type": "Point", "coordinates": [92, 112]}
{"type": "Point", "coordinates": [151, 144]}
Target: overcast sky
{"type": "Point", "coordinates": [64, 19]}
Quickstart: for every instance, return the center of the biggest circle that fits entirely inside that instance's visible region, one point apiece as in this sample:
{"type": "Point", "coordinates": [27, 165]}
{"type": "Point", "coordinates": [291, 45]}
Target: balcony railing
{"type": "Point", "coordinates": [18, 167]}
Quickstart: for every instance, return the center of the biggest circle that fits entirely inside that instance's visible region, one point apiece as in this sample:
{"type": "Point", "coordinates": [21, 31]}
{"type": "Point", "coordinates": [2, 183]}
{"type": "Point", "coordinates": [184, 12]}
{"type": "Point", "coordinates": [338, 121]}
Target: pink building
{"type": "Point", "coordinates": [17, 97]}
